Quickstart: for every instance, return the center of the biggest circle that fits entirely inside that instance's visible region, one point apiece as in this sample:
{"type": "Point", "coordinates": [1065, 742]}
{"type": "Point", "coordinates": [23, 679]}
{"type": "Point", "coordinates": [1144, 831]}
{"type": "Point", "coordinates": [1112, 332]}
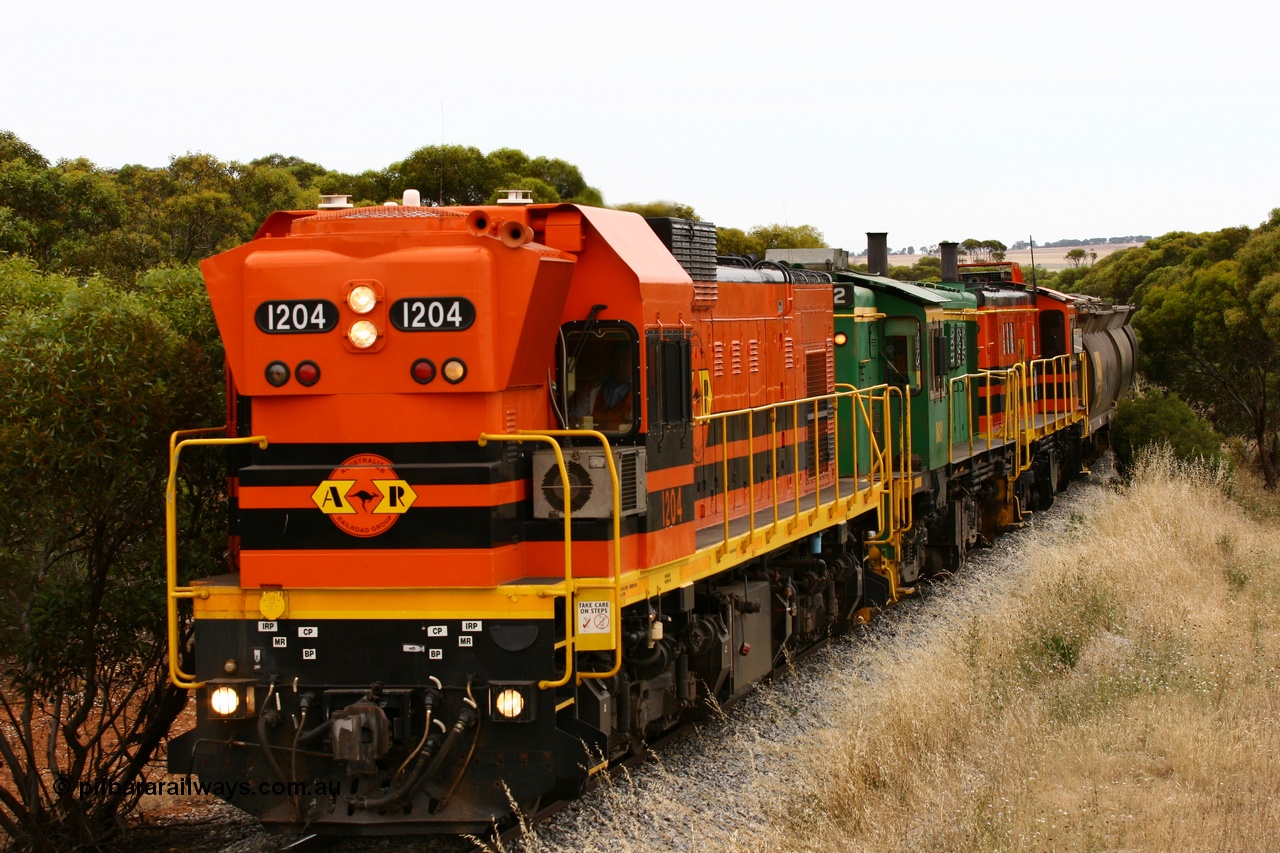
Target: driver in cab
{"type": "Point", "coordinates": [605, 402]}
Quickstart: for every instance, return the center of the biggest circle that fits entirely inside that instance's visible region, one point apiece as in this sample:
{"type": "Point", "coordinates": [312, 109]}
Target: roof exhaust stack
{"type": "Point", "coordinates": [950, 260]}
{"type": "Point", "coordinates": [878, 252]}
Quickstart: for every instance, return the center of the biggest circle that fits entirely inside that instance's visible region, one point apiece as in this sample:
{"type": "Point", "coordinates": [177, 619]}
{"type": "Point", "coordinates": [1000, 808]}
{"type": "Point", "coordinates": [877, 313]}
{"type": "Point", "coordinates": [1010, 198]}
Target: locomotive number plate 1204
{"type": "Point", "coordinates": [296, 316]}
{"type": "Point", "coordinates": [434, 314]}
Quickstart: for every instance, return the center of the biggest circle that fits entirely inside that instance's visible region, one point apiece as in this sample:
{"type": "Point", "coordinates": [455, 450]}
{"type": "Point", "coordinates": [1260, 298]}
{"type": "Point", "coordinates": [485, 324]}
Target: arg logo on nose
{"type": "Point", "coordinates": [363, 496]}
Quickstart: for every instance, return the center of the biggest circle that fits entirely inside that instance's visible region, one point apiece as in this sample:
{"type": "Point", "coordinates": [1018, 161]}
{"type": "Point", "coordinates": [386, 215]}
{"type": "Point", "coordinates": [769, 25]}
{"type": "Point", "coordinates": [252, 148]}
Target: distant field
{"type": "Point", "coordinates": [1050, 259]}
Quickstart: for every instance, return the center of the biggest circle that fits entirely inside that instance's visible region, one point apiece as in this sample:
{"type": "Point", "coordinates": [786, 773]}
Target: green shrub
{"type": "Point", "coordinates": [1156, 416]}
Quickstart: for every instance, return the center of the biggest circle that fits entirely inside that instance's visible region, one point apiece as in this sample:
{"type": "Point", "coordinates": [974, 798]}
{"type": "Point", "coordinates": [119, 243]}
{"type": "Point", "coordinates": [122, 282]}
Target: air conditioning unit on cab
{"type": "Point", "coordinates": [589, 488]}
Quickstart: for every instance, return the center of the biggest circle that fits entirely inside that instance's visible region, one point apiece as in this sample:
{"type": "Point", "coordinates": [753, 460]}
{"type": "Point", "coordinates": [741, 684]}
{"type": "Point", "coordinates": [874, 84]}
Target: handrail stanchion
{"type": "Point", "coordinates": [751, 473]}
{"type": "Point", "coordinates": [817, 459]}
{"type": "Point", "coordinates": [173, 592]}
{"type": "Point", "coordinates": [569, 633]}
{"type": "Point", "coordinates": [724, 467]}
{"type": "Point", "coordinates": [773, 455]}
{"type": "Point", "coordinates": [616, 588]}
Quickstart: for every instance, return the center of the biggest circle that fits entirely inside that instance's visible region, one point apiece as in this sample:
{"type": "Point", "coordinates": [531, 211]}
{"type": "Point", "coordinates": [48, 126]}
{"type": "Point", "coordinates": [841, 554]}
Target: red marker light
{"type": "Point", "coordinates": [308, 373]}
{"type": "Point", "coordinates": [423, 371]}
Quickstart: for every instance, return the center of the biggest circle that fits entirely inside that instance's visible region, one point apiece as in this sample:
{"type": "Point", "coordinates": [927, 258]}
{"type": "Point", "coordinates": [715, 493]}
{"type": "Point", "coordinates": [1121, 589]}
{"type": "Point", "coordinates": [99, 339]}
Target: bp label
{"type": "Point", "coordinates": [363, 496]}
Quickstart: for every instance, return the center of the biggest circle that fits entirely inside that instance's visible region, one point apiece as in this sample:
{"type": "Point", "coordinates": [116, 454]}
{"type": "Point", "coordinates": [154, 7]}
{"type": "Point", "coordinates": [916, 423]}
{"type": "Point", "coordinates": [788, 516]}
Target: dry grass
{"type": "Point", "coordinates": [1117, 691]}
{"type": "Point", "coordinates": [1123, 697]}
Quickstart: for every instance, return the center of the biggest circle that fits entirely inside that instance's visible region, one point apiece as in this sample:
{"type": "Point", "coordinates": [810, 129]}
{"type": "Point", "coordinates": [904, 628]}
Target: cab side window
{"type": "Point", "coordinates": [670, 370]}
{"type": "Point", "coordinates": [600, 372]}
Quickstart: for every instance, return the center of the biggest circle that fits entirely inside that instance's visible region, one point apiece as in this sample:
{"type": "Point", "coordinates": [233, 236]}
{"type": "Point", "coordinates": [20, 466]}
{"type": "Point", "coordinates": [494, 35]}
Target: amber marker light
{"type": "Point", "coordinates": [841, 339]}
{"type": "Point", "coordinates": [454, 371]}
{"type": "Point", "coordinates": [363, 334]}
{"type": "Point", "coordinates": [362, 299]}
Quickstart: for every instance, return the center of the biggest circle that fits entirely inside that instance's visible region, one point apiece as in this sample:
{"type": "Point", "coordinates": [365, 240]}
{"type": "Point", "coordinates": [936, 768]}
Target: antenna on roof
{"type": "Point", "coordinates": [1032, 241]}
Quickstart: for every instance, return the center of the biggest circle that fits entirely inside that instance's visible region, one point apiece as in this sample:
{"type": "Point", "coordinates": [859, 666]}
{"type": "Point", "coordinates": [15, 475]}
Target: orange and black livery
{"type": "Point", "coordinates": [515, 489]}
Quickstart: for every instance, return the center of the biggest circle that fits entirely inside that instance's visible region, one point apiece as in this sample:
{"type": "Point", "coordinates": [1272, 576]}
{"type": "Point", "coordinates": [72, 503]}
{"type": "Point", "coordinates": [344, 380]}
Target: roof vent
{"type": "Point", "coordinates": [515, 196]}
{"type": "Point", "coordinates": [334, 202]}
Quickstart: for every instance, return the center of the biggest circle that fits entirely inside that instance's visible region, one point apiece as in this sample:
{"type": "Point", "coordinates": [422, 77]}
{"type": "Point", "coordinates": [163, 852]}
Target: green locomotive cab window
{"type": "Point", "coordinates": [902, 354]}
{"type": "Point", "coordinates": [895, 357]}
{"type": "Point", "coordinates": [941, 361]}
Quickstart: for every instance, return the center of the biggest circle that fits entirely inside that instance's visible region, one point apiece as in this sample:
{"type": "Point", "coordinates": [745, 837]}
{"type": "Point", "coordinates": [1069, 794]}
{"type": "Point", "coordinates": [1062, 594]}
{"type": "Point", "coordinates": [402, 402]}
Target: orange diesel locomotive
{"type": "Point", "coordinates": [513, 488]}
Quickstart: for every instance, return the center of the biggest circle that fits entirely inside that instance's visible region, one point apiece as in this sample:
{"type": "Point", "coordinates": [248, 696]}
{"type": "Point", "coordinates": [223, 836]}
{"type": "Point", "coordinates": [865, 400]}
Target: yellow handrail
{"type": "Point", "coordinates": [484, 439]}
{"type": "Point", "coordinates": [772, 408]}
{"type": "Point", "coordinates": [616, 588]}
{"type": "Point", "coordinates": [1084, 394]}
{"type": "Point", "coordinates": [173, 592]}
{"type": "Point", "coordinates": [773, 457]}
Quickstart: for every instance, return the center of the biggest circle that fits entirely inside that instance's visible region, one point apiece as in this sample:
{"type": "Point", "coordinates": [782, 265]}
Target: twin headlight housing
{"type": "Point", "coordinates": [363, 333]}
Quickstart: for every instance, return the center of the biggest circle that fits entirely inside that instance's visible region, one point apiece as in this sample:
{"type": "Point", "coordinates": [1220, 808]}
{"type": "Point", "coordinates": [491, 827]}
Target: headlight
{"type": "Point", "coordinates": [363, 334]}
{"type": "Point", "coordinates": [224, 701]}
{"type": "Point", "coordinates": [509, 703]}
{"type": "Point", "coordinates": [231, 698]}
{"type": "Point", "coordinates": [362, 299]}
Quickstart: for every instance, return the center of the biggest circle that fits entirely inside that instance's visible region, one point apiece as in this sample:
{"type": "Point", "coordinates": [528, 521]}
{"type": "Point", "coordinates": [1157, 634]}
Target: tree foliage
{"type": "Point", "coordinates": [761, 238]}
{"type": "Point", "coordinates": [1156, 416]}
{"type": "Point", "coordinates": [107, 345]}
{"type": "Point", "coordinates": [457, 174]}
{"type": "Point", "coordinates": [735, 241]}
{"type": "Point", "coordinates": [928, 268]}
{"type": "Point", "coordinates": [788, 237]}
{"type": "Point", "coordinates": [13, 148]}
{"type": "Point", "coordinates": [1117, 276]}
{"type": "Point", "coordinates": [672, 209]}
{"type": "Point", "coordinates": [76, 218]}
{"type": "Point", "coordinates": [981, 251]}
{"type": "Point", "coordinates": [95, 377]}
{"type": "Point", "coordinates": [1210, 327]}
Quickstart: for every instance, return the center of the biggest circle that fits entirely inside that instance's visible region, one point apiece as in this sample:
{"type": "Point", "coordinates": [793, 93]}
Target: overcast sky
{"type": "Point", "coordinates": [930, 120]}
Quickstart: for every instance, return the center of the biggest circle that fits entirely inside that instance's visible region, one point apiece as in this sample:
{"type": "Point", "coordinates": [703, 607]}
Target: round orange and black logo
{"type": "Point", "coordinates": [363, 496]}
